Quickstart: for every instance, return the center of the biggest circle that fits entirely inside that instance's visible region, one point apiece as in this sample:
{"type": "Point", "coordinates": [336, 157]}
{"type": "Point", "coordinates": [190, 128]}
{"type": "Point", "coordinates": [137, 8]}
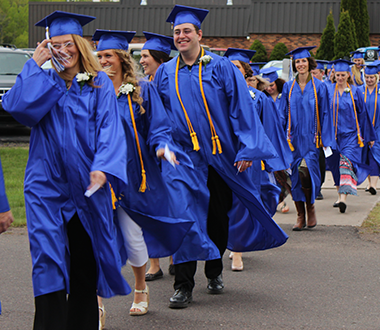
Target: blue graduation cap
{"type": "Point", "coordinates": [256, 67]}
{"type": "Point", "coordinates": [270, 73]}
{"type": "Point", "coordinates": [321, 64]}
{"type": "Point", "coordinates": [300, 52]}
{"type": "Point", "coordinates": [371, 69]}
{"type": "Point", "coordinates": [183, 14]}
{"type": "Point", "coordinates": [237, 54]}
{"type": "Point", "coordinates": [357, 54]}
{"type": "Point", "coordinates": [342, 65]}
{"type": "Point", "coordinates": [60, 23]}
{"type": "Point", "coordinates": [158, 42]}
{"type": "Point", "coordinates": [109, 39]}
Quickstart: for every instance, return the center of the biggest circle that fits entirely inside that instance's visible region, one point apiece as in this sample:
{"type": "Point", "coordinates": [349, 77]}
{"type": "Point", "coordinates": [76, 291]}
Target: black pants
{"type": "Point", "coordinates": [217, 229]}
{"type": "Point", "coordinates": [322, 166]}
{"type": "Point", "coordinates": [80, 311]}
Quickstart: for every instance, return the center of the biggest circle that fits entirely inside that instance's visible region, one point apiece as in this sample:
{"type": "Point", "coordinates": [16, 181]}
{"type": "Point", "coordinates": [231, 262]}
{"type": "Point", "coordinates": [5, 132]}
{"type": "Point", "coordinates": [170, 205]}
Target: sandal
{"type": "Point", "coordinates": [140, 308]}
{"type": "Point", "coordinates": [102, 317]}
{"type": "Point", "coordinates": [284, 208]}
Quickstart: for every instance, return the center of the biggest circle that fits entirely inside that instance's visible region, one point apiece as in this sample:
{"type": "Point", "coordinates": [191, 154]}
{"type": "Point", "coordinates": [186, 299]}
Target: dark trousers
{"type": "Point", "coordinates": [80, 310]}
{"type": "Point", "coordinates": [217, 229]}
{"type": "Point", "coordinates": [322, 166]}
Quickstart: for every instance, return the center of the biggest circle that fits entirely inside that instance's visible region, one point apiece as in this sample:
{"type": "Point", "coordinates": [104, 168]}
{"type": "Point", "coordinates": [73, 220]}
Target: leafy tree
{"type": "Point", "coordinates": [279, 52]}
{"type": "Point", "coordinates": [261, 53]}
{"type": "Point", "coordinates": [344, 41]}
{"type": "Point", "coordinates": [358, 10]}
{"type": "Point", "coordinates": [326, 48]}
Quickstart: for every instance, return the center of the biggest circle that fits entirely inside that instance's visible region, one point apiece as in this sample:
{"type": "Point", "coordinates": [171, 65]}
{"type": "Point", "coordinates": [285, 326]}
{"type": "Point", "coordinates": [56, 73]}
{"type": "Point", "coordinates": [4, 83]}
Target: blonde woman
{"type": "Point", "coordinates": [357, 69]}
{"type": "Point", "coordinates": [77, 143]}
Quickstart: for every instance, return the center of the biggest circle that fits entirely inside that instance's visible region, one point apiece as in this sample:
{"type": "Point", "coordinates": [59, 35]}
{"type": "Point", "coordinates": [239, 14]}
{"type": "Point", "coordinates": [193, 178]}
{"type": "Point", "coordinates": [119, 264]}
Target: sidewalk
{"type": "Point", "coordinates": [358, 207]}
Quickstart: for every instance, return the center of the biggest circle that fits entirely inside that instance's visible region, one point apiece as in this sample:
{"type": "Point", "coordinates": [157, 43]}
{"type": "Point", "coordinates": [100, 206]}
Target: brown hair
{"type": "Point", "coordinates": [87, 61]}
{"type": "Point", "coordinates": [312, 64]}
{"type": "Point", "coordinates": [262, 83]}
{"type": "Point", "coordinates": [280, 84]}
{"type": "Point", "coordinates": [158, 56]}
{"type": "Point", "coordinates": [247, 68]}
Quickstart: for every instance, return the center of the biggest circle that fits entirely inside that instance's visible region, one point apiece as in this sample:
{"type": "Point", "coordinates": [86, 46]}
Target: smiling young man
{"type": "Point", "coordinates": [206, 98]}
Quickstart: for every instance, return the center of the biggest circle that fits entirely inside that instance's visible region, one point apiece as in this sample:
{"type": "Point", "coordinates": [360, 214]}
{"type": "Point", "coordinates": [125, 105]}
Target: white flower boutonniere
{"type": "Point", "coordinates": [126, 89]}
{"type": "Point", "coordinates": [206, 59]}
{"type": "Point", "coordinates": [82, 78]}
{"type": "Point", "coordinates": [347, 90]}
{"type": "Point", "coordinates": [378, 91]}
{"type": "Point", "coordinates": [253, 95]}
{"type": "Point", "coordinates": [279, 95]}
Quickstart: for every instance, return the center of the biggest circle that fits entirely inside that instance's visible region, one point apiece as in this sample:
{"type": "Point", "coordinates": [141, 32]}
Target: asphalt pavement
{"type": "Point", "coordinates": [324, 278]}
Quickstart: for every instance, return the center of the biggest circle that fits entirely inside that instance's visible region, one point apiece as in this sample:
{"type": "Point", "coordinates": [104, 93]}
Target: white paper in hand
{"type": "Point", "coordinates": [93, 190]}
{"type": "Point", "coordinates": [328, 151]}
{"type": "Point", "coordinates": [168, 156]}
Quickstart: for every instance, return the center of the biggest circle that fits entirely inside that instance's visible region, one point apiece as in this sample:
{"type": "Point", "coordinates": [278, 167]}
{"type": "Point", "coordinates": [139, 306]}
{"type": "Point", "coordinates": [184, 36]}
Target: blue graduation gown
{"type": "Point", "coordinates": [241, 135]}
{"type": "Point", "coordinates": [370, 107]}
{"type": "Point", "coordinates": [73, 133]}
{"type": "Point", "coordinates": [4, 205]}
{"type": "Point", "coordinates": [303, 129]}
{"type": "Point", "coordinates": [155, 210]}
{"type": "Point", "coordinates": [346, 136]}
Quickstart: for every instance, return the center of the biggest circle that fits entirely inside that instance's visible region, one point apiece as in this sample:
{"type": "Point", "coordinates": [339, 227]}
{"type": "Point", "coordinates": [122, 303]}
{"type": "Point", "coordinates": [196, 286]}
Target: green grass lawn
{"type": "Point", "coordinates": [14, 162]}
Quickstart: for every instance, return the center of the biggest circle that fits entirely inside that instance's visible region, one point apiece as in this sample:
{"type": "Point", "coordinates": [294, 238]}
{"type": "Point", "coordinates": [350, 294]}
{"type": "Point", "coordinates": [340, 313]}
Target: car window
{"type": "Point", "coordinates": [12, 63]}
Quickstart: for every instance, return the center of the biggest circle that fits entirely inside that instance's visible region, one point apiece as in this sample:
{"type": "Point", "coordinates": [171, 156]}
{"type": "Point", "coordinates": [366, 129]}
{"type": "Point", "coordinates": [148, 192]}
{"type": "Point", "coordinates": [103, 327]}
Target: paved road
{"type": "Point", "coordinates": [325, 278]}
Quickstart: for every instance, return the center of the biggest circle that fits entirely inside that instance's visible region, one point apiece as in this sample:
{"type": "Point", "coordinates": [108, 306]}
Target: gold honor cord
{"type": "Point", "coordinates": [113, 196]}
{"type": "Point", "coordinates": [150, 78]}
{"type": "Point", "coordinates": [289, 118]}
{"type": "Point", "coordinates": [365, 101]}
{"type": "Point", "coordinates": [143, 174]}
{"type": "Point", "coordinates": [318, 135]}
{"type": "Point", "coordinates": [360, 140]}
{"type": "Point", "coordinates": [194, 139]}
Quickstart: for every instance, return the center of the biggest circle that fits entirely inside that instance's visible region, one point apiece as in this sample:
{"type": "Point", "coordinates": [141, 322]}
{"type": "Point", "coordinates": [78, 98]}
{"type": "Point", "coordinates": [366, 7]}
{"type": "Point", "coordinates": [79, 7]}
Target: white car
{"type": "Point", "coordinates": [284, 65]}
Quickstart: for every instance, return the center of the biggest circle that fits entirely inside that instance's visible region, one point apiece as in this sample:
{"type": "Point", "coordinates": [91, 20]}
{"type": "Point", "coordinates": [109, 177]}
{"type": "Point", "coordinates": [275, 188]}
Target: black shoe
{"type": "Point", "coordinates": [155, 276]}
{"type": "Point", "coordinates": [342, 207]}
{"type": "Point", "coordinates": [215, 285]}
{"type": "Point", "coordinates": [180, 299]}
{"type": "Point", "coordinates": [319, 197]}
{"type": "Point", "coordinates": [372, 190]}
{"type": "Point", "coordinates": [336, 204]}
{"type": "Point", "coordinates": [171, 269]}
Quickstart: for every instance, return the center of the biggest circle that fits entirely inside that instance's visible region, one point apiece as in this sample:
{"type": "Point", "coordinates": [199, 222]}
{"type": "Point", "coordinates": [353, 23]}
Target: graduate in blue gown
{"type": "Point", "coordinates": [352, 130]}
{"type": "Point", "coordinates": [308, 125]}
{"type": "Point", "coordinates": [358, 68]}
{"type": "Point", "coordinates": [262, 170]}
{"type": "Point", "coordinates": [145, 203]}
{"type": "Point", "coordinates": [210, 111]}
{"type": "Point", "coordinates": [6, 217]}
{"type": "Point", "coordinates": [77, 143]}
{"type": "Point", "coordinates": [371, 99]}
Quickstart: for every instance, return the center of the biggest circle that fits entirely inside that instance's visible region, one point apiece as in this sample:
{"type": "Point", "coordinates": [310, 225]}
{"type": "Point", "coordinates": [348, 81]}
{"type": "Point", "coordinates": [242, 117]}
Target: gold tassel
{"type": "Point", "coordinates": [213, 145]}
{"type": "Point", "coordinates": [219, 144]}
{"type": "Point", "coordinates": [360, 141]}
{"type": "Point", "coordinates": [290, 145]}
{"type": "Point", "coordinates": [262, 166]}
{"type": "Point", "coordinates": [143, 182]}
{"type": "Point", "coordinates": [194, 139]}
{"type": "Point", "coordinates": [113, 196]}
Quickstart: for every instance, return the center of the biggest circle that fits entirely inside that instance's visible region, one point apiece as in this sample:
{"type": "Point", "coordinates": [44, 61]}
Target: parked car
{"type": "Point", "coordinates": [218, 51]}
{"type": "Point", "coordinates": [12, 61]}
{"type": "Point", "coordinates": [370, 53]}
{"type": "Point", "coordinates": [284, 65]}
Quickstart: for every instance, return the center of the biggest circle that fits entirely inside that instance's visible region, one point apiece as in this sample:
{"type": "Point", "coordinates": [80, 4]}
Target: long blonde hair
{"type": "Point", "coordinates": [356, 72]}
{"type": "Point", "coordinates": [87, 61]}
{"type": "Point", "coordinates": [130, 75]}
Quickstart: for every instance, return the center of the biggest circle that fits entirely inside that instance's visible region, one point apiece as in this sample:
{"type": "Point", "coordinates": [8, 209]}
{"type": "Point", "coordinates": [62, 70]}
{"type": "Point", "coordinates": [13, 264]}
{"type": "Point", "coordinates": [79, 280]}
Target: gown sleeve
{"type": "Point", "coordinates": [111, 147]}
{"type": "Point", "coordinates": [254, 144]}
{"type": "Point", "coordinates": [34, 94]}
{"type": "Point", "coordinates": [366, 127]}
{"type": "Point", "coordinates": [4, 205]}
